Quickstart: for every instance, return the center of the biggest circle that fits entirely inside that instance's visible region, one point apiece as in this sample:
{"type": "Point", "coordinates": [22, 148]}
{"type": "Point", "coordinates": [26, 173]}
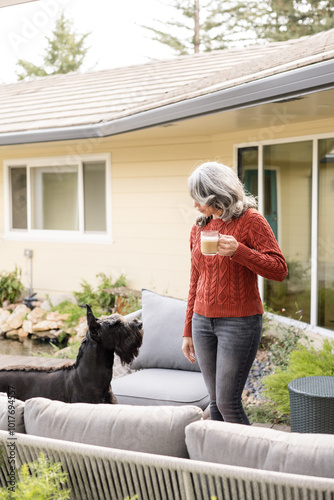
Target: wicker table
{"type": "Point", "coordinates": [312, 404]}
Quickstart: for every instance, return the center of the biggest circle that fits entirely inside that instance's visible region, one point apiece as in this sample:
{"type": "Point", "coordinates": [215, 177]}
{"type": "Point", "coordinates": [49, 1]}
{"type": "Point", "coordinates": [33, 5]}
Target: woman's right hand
{"type": "Point", "coordinates": [188, 349]}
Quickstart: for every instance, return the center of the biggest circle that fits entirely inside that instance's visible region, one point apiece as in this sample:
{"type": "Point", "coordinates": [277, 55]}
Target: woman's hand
{"type": "Point", "coordinates": [227, 245]}
{"type": "Point", "coordinates": [188, 349]}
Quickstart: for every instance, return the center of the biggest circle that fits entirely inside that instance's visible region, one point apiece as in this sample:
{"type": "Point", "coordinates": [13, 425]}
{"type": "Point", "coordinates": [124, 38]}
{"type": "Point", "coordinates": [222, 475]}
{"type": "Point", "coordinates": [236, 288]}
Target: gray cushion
{"type": "Point", "coordinates": [261, 448]}
{"type": "Point", "coordinates": [163, 323]}
{"type": "Point", "coordinates": [11, 414]}
{"type": "Point", "coordinates": [159, 429]}
{"type": "Point", "coordinates": [155, 386]}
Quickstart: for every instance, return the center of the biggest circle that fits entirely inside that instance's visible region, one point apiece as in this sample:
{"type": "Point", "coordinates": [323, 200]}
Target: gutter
{"type": "Point", "coordinates": [282, 86]}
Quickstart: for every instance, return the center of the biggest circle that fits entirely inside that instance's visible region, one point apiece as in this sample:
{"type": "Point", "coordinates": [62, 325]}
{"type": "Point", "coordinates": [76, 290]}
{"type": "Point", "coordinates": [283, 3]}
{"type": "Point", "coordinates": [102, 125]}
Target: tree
{"type": "Point", "coordinates": [279, 20]}
{"type": "Point", "coordinates": [196, 27]}
{"type": "Point", "coordinates": [203, 25]}
{"type": "Point", "coordinates": [65, 52]}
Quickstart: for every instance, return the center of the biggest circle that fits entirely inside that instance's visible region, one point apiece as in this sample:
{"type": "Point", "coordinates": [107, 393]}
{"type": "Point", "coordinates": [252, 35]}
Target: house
{"type": "Point", "coordinates": [94, 167]}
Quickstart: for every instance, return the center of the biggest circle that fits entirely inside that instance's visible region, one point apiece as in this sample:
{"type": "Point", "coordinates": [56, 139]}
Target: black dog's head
{"type": "Point", "coordinates": [116, 334]}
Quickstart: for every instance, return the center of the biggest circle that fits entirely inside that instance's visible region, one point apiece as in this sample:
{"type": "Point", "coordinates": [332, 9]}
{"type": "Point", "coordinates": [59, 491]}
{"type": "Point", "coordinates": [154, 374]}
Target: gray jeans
{"type": "Point", "coordinates": [225, 349]}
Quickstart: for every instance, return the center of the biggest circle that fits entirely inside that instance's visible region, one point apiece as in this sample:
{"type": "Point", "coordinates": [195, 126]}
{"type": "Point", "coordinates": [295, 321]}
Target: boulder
{"type": "Point", "coordinates": [27, 326]}
{"type": "Point", "coordinates": [81, 328]}
{"type": "Point", "coordinates": [46, 334]}
{"type": "Point", "coordinates": [56, 316]}
{"type": "Point", "coordinates": [12, 334]}
{"type": "Point", "coordinates": [47, 325]}
{"type": "Point", "coordinates": [15, 320]}
{"type": "Point", "coordinates": [36, 315]}
{"type": "Point", "coordinates": [4, 314]}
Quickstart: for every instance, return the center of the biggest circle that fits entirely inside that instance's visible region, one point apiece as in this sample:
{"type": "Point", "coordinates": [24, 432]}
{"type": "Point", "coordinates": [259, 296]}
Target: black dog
{"type": "Point", "coordinates": [88, 379]}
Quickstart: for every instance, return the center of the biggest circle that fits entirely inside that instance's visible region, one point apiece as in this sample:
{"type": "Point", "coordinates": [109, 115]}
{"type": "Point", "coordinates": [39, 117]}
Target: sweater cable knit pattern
{"type": "Point", "coordinates": [227, 286]}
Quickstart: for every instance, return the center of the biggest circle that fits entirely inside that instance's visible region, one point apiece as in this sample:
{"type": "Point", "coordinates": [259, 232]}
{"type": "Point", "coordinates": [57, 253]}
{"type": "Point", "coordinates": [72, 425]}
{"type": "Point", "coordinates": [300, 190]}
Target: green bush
{"type": "Point", "coordinates": [303, 362]}
{"type": "Point", "coordinates": [75, 312]}
{"type": "Point", "coordinates": [99, 300]}
{"type": "Point", "coordinates": [39, 480]}
{"type": "Point", "coordinates": [11, 286]}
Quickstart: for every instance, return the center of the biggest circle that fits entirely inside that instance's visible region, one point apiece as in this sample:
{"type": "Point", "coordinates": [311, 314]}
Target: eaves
{"type": "Point", "coordinates": [286, 85]}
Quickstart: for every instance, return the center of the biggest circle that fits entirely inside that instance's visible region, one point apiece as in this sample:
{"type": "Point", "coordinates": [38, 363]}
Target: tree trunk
{"type": "Point", "coordinates": [196, 37]}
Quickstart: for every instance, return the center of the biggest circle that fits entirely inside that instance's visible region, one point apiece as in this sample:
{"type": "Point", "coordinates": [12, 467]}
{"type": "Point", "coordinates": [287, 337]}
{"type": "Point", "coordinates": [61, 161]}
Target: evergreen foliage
{"type": "Point", "coordinates": [65, 53]}
{"type": "Point", "coordinates": [225, 24]}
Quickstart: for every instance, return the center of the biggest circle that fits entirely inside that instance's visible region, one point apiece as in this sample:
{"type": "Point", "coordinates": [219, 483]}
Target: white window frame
{"type": "Point", "coordinates": [79, 236]}
{"type": "Point", "coordinates": [314, 138]}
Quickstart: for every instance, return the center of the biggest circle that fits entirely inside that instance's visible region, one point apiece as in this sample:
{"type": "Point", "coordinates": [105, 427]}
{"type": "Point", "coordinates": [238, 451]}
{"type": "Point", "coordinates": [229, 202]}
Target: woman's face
{"type": "Point", "coordinates": [207, 211]}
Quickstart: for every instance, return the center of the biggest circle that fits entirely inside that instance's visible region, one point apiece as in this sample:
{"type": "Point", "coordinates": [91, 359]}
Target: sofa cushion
{"type": "Point", "coordinates": [156, 386]}
{"type": "Point", "coordinates": [11, 414]}
{"type": "Point", "coordinates": [159, 429]}
{"type": "Point", "coordinates": [261, 448]}
{"type": "Point", "coordinates": [163, 322]}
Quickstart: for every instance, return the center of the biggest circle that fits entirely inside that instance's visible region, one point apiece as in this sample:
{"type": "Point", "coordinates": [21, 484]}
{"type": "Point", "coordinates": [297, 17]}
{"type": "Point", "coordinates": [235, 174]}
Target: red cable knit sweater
{"type": "Point", "coordinates": [227, 286]}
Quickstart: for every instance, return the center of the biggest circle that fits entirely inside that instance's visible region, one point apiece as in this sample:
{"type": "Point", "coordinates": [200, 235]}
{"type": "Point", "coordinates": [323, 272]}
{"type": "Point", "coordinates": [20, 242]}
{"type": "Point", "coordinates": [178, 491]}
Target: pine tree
{"type": "Point", "coordinates": [65, 52]}
{"type": "Point", "coordinates": [206, 25]}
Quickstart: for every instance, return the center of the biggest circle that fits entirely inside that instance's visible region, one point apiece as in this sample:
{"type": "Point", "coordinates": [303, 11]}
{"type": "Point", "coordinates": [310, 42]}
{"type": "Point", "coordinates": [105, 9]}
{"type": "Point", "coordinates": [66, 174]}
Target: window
{"type": "Point", "coordinates": [51, 196]}
{"type": "Point", "coordinates": [295, 185]}
{"type": "Point", "coordinates": [326, 234]}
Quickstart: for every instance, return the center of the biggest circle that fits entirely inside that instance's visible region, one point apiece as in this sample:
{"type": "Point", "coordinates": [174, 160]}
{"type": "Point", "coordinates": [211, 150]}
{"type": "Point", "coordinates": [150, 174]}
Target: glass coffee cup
{"type": "Point", "coordinates": [209, 242]}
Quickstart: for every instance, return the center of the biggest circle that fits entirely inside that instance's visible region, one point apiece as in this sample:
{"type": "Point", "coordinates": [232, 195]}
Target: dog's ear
{"type": "Point", "coordinates": [93, 325]}
{"type": "Point", "coordinates": [136, 323]}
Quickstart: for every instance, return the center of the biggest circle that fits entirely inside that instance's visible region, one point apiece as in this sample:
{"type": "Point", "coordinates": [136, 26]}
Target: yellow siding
{"type": "Point", "coordinates": [151, 210]}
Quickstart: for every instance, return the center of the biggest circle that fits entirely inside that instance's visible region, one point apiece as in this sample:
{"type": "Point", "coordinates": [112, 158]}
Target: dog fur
{"type": "Point", "coordinates": [88, 379]}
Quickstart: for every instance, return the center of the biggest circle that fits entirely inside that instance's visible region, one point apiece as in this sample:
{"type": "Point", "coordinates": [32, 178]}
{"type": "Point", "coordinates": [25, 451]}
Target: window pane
{"type": "Point", "coordinates": [54, 198]}
{"type": "Point", "coordinates": [94, 175]}
{"type": "Point", "coordinates": [326, 234]}
{"type": "Point", "coordinates": [288, 199]}
{"type": "Point", "coordinates": [18, 182]}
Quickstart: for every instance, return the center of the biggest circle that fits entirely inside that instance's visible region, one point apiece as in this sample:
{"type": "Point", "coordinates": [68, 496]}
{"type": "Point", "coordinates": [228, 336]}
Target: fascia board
{"type": "Point", "coordinates": [316, 77]}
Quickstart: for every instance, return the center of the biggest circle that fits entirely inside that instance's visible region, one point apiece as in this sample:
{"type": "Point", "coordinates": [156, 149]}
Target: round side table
{"type": "Point", "coordinates": [312, 404]}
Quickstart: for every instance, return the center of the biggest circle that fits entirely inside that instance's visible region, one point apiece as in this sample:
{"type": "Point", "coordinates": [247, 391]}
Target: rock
{"type": "Point", "coordinates": [47, 325]}
{"type": "Point", "coordinates": [46, 334]}
{"type": "Point", "coordinates": [81, 328]}
{"type": "Point", "coordinates": [36, 315]}
{"type": "Point", "coordinates": [12, 334]}
{"type": "Point", "coordinates": [23, 334]}
{"type": "Point", "coordinates": [4, 314]}
{"type": "Point", "coordinates": [27, 326]}
{"type": "Point", "coordinates": [56, 316]}
{"type": "Point", "coordinates": [15, 320]}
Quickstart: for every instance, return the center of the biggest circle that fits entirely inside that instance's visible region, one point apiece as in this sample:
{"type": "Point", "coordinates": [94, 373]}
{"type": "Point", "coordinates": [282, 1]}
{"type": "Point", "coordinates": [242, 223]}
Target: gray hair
{"type": "Point", "coordinates": [217, 185]}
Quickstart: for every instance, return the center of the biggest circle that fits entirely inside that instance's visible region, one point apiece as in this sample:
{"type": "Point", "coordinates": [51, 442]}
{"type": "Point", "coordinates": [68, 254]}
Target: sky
{"type": "Point", "coordinates": [117, 38]}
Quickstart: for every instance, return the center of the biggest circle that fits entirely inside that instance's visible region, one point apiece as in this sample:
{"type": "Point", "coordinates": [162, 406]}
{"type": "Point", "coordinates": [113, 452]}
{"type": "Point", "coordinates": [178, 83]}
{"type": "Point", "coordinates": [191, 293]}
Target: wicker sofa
{"type": "Point", "coordinates": [165, 452]}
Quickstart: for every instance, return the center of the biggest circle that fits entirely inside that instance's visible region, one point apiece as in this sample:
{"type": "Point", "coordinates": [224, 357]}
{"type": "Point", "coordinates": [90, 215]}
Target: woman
{"type": "Point", "coordinates": [223, 323]}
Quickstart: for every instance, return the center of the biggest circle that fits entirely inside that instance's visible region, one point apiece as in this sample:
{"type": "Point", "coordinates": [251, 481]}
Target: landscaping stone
{"type": "Point", "coordinates": [46, 334]}
{"type": "Point", "coordinates": [262, 367]}
{"type": "Point", "coordinates": [45, 325]}
{"type": "Point", "coordinates": [36, 315]}
{"type": "Point", "coordinates": [12, 334]}
{"type": "Point", "coordinates": [15, 320]}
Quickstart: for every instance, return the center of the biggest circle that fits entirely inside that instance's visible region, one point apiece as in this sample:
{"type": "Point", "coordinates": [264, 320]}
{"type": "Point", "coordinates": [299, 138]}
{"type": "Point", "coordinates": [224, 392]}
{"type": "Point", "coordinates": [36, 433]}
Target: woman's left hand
{"type": "Point", "coordinates": [227, 245]}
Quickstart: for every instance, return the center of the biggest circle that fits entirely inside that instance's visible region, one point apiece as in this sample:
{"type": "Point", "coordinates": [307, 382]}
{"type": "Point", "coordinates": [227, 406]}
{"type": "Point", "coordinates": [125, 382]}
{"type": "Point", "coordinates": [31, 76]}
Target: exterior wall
{"type": "Point", "coordinates": [151, 210]}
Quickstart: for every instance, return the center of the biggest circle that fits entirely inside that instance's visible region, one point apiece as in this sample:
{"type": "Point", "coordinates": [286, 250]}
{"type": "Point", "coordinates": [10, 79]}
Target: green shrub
{"type": "Point", "coordinates": [303, 362]}
{"type": "Point", "coordinates": [99, 300]}
{"type": "Point", "coordinates": [39, 480]}
{"type": "Point", "coordinates": [75, 312]}
{"type": "Point", "coordinates": [11, 286]}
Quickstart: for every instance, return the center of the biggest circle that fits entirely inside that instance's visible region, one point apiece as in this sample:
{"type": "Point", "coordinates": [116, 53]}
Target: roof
{"type": "Point", "coordinates": [112, 101]}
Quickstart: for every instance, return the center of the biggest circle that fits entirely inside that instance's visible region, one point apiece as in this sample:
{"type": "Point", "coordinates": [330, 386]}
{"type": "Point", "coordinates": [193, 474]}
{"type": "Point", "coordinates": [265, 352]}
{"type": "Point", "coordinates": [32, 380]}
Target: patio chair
{"type": "Point", "coordinates": [161, 375]}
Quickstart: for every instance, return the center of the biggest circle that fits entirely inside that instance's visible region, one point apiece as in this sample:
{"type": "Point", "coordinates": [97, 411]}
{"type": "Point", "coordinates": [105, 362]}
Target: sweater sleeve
{"type": "Point", "coordinates": [187, 332]}
{"type": "Point", "coordinates": [261, 254]}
